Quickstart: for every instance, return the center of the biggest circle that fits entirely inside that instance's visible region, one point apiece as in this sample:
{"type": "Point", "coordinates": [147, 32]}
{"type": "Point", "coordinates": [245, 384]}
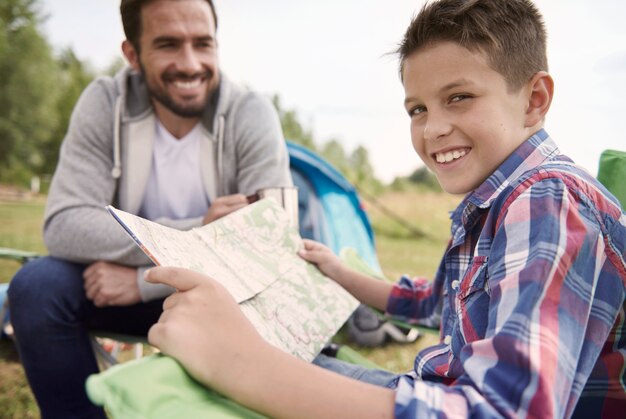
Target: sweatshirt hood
{"type": "Point", "coordinates": [133, 103]}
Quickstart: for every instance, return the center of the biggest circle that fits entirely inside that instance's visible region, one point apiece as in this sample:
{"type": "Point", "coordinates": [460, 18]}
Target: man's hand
{"type": "Point", "coordinates": [109, 284]}
{"type": "Point", "coordinates": [224, 205]}
{"type": "Point", "coordinates": [203, 327]}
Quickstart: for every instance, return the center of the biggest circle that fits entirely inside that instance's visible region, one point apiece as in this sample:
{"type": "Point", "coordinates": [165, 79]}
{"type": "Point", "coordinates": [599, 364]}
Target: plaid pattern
{"type": "Point", "coordinates": [529, 298]}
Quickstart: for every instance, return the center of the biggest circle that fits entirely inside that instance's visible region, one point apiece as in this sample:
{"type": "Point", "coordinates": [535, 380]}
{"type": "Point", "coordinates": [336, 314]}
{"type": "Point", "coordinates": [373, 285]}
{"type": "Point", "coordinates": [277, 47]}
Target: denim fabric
{"type": "Point", "coordinates": [52, 317]}
{"type": "Point", "coordinates": [381, 378]}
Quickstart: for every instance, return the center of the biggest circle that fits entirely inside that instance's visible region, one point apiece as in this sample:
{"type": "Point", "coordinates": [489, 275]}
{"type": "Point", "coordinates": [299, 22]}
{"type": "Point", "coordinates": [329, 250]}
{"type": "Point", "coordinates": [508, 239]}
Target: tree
{"type": "Point", "coordinates": [333, 152]}
{"type": "Point", "coordinates": [116, 65]}
{"type": "Point", "coordinates": [37, 93]}
{"type": "Point", "coordinates": [356, 168]}
{"type": "Point", "coordinates": [362, 170]}
{"type": "Point", "coordinates": [425, 177]}
{"type": "Point", "coordinates": [74, 76]}
{"type": "Point", "coordinates": [28, 91]}
{"type": "Point", "coordinates": [292, 128]}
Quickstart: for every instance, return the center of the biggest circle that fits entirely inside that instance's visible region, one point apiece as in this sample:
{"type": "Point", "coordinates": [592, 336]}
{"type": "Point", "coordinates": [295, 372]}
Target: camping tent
{"type": "Point", "coordinates": [329, 208]}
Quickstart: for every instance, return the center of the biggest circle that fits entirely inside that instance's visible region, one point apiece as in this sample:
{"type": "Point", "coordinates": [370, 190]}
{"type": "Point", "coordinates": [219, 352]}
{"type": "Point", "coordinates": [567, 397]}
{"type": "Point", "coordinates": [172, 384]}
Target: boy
{"type": "Point", "coordinates": [530, 292]}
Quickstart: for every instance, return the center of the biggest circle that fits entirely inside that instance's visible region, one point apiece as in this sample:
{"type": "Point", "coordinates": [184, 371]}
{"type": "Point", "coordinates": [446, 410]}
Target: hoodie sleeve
{"type": "Point", "coordinates": [77, 227]}
{"type": "Point", "coordinates": [261, 155]}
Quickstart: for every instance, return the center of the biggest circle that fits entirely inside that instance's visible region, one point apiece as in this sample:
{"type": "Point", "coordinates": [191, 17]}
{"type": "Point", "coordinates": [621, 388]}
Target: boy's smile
{"type": "Point", "coordinates": [465, 120]}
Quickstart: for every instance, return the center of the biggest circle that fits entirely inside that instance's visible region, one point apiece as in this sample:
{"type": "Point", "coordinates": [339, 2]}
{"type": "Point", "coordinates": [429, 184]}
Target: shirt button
{"type": "Point", "coordinates": [455, 285]}
{"type": "Point", "coordinates": [447, 339]}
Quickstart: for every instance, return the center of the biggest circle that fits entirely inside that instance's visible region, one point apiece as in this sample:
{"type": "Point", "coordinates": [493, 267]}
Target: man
{"type": "Point", "coordinates": [171, 139]}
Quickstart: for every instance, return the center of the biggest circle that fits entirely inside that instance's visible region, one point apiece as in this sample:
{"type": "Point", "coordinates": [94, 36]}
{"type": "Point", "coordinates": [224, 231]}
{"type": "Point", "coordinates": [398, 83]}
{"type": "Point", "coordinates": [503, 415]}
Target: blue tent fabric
{"type": "Point", "coordinates": [329, 207]}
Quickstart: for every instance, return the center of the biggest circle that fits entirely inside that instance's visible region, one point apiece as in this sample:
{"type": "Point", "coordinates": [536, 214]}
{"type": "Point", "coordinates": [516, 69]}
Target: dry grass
{"type": "Point", "coordinates": [399, 250]}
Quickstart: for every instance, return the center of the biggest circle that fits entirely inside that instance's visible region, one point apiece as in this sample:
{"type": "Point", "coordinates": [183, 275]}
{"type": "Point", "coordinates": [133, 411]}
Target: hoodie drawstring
{"type": "Point", "coordinates": [220, 149]}
{"type": "Point", "coordinates": [116, 172]}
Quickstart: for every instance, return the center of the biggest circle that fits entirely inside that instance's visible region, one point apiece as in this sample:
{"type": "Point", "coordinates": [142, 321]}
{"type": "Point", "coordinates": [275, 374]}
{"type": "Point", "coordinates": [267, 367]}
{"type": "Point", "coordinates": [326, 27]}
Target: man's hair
{"type": "Point", "coordinates": [510, 33]}
{"type": "Point", "coordinates": [131, 18]}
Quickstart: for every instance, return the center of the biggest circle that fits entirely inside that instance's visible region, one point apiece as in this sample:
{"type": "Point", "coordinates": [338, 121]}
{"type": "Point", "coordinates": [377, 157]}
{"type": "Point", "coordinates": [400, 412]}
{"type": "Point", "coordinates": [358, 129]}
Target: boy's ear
{"type": "Point", "coordinates": [131, 55]}
{"type": "Point", "coordinates": [541, 90]}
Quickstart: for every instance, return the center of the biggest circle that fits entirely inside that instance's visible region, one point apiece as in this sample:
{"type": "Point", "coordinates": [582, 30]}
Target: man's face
{"type": "Point", "coordinates": [178, 55]}
{"type": "Point", "coordinates": [464, 120]}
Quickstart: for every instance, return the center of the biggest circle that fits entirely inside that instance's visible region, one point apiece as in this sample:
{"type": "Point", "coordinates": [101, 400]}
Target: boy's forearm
{"type": "Point", "coordinates": [370, 291]}
{"type": "Point", "coordinates": [282, 386]}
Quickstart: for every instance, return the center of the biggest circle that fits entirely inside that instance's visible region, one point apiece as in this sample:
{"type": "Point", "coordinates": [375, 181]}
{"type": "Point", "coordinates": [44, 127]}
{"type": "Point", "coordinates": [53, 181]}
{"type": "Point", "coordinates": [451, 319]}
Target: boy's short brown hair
{"type": "Point", "coordinates": [510, 33]}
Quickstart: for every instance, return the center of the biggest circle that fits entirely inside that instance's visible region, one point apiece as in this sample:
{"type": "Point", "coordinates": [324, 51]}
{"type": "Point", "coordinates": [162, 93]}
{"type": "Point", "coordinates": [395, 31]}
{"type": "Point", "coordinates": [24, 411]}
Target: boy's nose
{"type": "Point", "coordinates": [436, 126]}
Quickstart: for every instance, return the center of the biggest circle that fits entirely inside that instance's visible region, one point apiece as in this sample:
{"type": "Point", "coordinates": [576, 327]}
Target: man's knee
{"type": "Point", "coordinates": [44, 280]}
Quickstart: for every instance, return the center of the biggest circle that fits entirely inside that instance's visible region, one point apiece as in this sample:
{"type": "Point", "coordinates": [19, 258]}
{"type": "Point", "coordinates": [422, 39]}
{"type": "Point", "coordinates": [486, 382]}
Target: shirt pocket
{"type": "Point", "coordinates": [472, 304]}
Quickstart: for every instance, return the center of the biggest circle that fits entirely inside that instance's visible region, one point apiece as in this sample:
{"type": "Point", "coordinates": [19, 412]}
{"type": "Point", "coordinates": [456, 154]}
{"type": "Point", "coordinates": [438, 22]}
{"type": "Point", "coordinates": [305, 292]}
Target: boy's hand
{"type": "Point", "coordinates": [204, 329]}
{"type": "Point", "coordinates": [367, 290]}
{"type": "Point", "coordinates": [323, 257]}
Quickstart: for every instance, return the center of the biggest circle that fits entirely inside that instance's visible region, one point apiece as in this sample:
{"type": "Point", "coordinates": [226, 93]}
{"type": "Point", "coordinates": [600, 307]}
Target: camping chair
{"type": "Point", "coordinates": [106, 346]}
{"type": "Point", "coordinates": [21, 257]}
{"type": "Point", "coordinates": [612, 173]}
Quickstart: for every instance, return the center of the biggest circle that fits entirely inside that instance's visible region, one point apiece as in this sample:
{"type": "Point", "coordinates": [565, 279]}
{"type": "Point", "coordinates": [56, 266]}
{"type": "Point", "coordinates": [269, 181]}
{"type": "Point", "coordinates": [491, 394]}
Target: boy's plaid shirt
{"type": "Point", "coordinates": [529, 298]}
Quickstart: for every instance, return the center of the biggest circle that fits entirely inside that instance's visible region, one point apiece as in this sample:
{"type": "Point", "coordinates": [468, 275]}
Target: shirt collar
{"type": "Point", "coordinates": [530, 154]}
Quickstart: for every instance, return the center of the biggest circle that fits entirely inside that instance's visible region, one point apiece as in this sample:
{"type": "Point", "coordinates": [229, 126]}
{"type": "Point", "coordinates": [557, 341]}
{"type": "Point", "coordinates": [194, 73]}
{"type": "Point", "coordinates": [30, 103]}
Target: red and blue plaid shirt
{"type": "Point", "coordinates": [529, 298]}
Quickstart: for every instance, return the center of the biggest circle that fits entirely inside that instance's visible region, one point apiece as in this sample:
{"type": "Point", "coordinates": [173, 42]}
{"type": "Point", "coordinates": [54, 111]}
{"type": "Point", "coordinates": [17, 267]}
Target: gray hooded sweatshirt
{"type": "Point", "coordinates": [106, 158]}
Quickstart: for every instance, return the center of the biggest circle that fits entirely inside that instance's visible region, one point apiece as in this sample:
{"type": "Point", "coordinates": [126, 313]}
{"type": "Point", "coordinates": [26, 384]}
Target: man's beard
{"type": "Point", "coordinates": [185, 111]}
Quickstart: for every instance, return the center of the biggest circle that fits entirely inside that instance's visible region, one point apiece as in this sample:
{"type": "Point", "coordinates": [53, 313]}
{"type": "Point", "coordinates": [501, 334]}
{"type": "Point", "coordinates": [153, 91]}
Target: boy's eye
{"type": "Point", "coordinates": [416, 110]}
{"type": "Point", "coordinates": [458, 98]}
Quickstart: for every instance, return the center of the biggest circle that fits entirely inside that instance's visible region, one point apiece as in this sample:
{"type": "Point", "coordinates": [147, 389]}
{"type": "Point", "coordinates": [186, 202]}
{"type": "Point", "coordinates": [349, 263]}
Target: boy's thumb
{"type": "Point", "coordinates": [179, 278]}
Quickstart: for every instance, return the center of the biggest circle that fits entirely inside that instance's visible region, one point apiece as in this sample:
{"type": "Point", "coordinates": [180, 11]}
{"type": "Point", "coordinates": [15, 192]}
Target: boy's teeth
{"type": "Point", "coordinates": [449, 156]}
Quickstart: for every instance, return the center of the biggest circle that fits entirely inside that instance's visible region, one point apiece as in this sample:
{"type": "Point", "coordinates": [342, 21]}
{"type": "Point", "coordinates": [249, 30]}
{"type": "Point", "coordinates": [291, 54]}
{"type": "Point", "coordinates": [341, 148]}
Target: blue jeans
{"type": "Point", "coordinates": [381, 378]}
{"type": "Point", "coordinates": [51, 318]}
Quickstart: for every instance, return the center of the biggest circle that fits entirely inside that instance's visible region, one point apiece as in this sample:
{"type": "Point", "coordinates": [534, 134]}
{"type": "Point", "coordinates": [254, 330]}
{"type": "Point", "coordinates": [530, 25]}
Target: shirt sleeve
{"type": "Point", "coordinates": [415, 301]}
{"type": "Point", "coordinates": [547, 318]}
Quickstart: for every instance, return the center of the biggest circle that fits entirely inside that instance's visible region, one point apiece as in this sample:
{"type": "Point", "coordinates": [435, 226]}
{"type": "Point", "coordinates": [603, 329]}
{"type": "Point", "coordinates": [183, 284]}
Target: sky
{"type": "Point", "coordinates": [330, 61]}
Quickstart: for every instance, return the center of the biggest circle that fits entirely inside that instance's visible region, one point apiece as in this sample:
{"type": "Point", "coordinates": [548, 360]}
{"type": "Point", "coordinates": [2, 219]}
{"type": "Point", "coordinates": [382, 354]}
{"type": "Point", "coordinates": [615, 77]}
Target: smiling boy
{"type": "Point", "coordinates": [529, 296]}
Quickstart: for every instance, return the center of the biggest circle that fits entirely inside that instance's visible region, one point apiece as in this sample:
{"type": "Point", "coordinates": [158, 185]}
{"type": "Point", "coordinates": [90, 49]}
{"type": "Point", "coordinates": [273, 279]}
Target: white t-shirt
{"type": "Point", "coordinates": [175, 189]}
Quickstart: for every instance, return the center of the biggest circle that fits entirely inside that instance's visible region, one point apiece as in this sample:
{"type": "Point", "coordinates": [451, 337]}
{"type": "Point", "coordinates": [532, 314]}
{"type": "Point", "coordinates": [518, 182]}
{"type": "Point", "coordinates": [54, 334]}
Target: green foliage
{"type": "Point", "coordinates": [362, 171]}
{"type": "Point", "coordinates": [27, 92]}
{"type": "Point", "coordinates": [356, 167]}
{"type": "Point", "coordinates": [115, 66]}
{"type": "Point", "coordinates": [74, 76]}
{"type": "Point", "coordinates": [334, 153]}
{"type": "Point", "coordinates": [421, 177]}
{"type": "Point", "coordinates": [37, 92]}
{"type": "Point", "coordinates": [292, 128]}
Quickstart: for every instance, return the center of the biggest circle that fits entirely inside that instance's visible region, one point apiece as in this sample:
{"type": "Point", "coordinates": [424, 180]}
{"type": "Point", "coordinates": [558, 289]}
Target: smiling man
{"type": "Point", "coordinates": [169, 138]}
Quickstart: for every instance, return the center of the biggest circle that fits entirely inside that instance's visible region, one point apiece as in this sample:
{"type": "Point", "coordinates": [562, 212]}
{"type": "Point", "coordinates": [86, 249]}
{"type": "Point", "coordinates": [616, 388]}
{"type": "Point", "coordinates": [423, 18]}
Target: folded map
{"type": "Point", "coordinates": [253, 253]}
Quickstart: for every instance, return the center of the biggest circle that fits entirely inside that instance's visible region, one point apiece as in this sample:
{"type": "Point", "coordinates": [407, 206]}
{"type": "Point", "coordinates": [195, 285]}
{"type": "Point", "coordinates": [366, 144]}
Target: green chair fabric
{"type": "Point", "coordinates": [20, 256]}
{"type": "Point", "coordinates": [612, 173]}
{"type": "Point", "coordinates": [158, 387]}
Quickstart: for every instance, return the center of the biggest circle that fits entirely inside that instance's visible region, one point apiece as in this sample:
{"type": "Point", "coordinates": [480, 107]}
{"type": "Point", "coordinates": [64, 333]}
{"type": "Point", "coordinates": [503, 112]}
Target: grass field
{"type": "Point", "coordinates": [398, 249]}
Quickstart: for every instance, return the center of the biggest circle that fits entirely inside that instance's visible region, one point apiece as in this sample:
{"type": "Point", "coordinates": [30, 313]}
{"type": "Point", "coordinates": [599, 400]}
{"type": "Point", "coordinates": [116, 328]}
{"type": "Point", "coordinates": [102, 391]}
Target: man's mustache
{"type": "Point", "coordinates": [187, 77]}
